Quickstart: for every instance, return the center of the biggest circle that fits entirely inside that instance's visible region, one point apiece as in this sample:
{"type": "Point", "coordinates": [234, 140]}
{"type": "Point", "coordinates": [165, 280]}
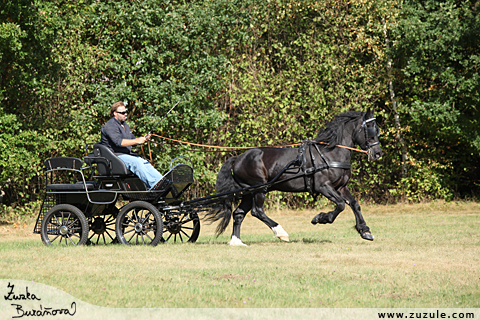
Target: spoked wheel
{"type": "Point", "coordinates": [139, 223]}
{"type": "Point", "coordinates": [65, 225]}
{"type": "Point", "coordinates": [102, 230]}
{"type": "Point", "coordinates": [183, 227]}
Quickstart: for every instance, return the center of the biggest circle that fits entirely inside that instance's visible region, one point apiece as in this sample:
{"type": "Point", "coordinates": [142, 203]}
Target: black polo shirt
{"type": "Point", "coordinates": [112, 135]}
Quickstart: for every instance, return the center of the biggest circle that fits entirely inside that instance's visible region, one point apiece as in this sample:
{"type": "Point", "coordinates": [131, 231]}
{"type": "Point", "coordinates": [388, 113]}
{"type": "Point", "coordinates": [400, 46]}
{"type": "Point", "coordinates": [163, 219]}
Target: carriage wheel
{"type": "Point", "coordinates": [181, 228]}
{"type": "Point", "coordinates": [102, 230]}
{"type": "Point", "coordinates": [64, 224]}
{"type": "Point", "coordinates": [139, 223]}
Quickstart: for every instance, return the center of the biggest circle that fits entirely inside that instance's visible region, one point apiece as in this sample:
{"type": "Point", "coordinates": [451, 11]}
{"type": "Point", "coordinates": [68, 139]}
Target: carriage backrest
{"type": "Point", "coordinates": [115, 165]}
{"type": "Point", "coordinates": [63, 170]}
{"type": "Point", "coordinates": [63, 162]}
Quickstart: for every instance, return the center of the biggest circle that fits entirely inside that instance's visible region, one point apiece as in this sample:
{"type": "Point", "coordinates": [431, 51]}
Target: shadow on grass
{"type": "Point", "coordinates": [264, 242]}
{"type": "Point", "coordinates": [310, 240]}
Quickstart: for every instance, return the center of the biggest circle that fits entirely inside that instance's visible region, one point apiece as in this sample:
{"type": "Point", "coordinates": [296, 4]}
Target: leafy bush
{"type": "Point", "coordinates": [271, 73]}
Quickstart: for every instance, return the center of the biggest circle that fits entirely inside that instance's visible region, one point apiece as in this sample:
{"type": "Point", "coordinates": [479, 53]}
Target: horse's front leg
{"type": "Point", "coordinates": [360, 225]}
{"type": "Point", "coordinates": [331, 194]}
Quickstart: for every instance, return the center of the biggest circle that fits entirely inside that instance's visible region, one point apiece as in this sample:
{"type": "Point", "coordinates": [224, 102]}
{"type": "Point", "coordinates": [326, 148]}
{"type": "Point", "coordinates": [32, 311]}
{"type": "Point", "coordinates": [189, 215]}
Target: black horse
{"type": "Point", "coordinates": [319, 166]}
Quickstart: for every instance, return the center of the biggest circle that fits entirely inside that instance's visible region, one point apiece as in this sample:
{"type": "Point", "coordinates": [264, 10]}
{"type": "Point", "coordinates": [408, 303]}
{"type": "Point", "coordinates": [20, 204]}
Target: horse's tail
{"type": "Point", "coordinates": [225, 183]}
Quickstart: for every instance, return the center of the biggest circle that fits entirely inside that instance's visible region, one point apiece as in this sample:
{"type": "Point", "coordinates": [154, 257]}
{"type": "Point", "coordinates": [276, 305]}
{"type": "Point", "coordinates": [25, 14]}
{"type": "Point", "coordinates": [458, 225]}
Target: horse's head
{"type": "Point", "coordinates": [366, 136]}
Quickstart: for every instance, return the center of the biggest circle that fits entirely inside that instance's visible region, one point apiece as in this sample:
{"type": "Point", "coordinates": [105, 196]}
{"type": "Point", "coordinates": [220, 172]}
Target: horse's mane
{"type": "Point", "coordinates": [333, 133]}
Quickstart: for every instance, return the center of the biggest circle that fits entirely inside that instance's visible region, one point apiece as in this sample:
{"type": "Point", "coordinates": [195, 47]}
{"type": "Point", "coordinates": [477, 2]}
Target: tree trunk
{"type": "Point", "coordinates": [394, 103]}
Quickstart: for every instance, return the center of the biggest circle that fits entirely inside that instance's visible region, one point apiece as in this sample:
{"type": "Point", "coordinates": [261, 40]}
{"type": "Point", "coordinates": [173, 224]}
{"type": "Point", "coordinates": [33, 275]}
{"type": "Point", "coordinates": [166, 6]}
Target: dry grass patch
{"type": "Point", "coordinates": [424, 255]}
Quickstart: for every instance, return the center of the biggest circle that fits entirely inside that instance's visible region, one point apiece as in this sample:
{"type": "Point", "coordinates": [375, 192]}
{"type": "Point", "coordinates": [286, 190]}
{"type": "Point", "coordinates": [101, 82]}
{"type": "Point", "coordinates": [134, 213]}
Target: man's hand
{"type": "Point", "coordinates": [141, 140]}
{"type": "Point", "coordinates": [136, 141]}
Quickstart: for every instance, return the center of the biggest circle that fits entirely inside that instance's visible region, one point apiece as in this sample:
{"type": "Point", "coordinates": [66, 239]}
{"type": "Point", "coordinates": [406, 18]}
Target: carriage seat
{"type": "Point", "coordinates": [108, 163]}
{"type": "Point", "coordinates": [79, 186]}
{"type": "Point", "coordinates": [75, 180]}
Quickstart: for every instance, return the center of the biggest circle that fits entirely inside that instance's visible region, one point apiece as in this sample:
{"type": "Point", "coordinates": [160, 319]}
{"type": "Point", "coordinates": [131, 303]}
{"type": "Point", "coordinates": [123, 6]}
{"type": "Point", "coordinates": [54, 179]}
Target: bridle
{"type": "Point", "coordinates": [370, 133]}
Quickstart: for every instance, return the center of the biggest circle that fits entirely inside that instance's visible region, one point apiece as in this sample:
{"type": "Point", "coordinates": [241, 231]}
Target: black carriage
{"type": "Point", "coordinates": [82, 198]}
{"type": "Point", "coordinates": [98, 200]}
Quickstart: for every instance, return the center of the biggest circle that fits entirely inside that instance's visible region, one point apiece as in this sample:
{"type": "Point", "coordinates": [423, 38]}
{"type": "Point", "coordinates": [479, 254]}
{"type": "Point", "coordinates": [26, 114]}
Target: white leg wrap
{"type": "Point", "coordinates": [280, 233]}
{"type": "Point", "coordinates": [236, 242]}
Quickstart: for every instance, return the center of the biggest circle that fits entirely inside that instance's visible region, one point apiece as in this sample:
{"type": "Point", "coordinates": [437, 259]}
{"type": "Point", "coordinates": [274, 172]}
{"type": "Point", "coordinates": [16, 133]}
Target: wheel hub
{"type": "Point", "coordinates": [138, 227]}
{"type": "Point", "coordinates": [173, 226]}
{"type": "Point", "coordinates": [63, 230]}
{"type": "Point", "coordinates": [99, 226]}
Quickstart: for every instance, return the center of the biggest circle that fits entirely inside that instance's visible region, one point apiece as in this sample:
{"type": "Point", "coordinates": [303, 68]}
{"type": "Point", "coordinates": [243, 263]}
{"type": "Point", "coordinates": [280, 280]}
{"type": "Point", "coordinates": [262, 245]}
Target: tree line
{"type": "Point", "coordinates": [270, 72]}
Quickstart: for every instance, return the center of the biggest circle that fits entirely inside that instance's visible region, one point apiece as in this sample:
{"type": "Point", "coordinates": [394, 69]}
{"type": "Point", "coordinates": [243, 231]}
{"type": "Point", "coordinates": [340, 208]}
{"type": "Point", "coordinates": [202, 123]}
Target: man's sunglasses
{"type": "Point", "coordinates": [123, 112]}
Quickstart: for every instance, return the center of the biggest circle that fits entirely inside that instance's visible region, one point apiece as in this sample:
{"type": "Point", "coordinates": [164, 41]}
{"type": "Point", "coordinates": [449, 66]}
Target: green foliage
{"type": "Point", "coordinates": [271, 72]}
{"type": "Point", "coordinates": [436, 51]}
{"type": "Point", "coordinates": [19, 214]}
{"type": "Point", "coordinates": [150, 54]}
{"type": "Point", "coordinates": [91, 54]}
{"type": "Point", "coordinates": [307, 62]}
{"type": "Point", "coordinates": [23, 152]}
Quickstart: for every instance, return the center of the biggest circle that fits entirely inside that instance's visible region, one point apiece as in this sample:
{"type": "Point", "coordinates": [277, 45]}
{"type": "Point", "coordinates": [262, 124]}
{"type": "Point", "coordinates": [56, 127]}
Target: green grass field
{"type": "Point", "coordinates": [424, 255]}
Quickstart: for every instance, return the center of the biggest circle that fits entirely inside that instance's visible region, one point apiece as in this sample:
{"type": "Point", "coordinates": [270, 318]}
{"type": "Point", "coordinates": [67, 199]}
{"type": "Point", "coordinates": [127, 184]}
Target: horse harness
{"type": "Point", "coordinates": [300, 163]}
{"type": "Point", "coordinates": [309, 173]}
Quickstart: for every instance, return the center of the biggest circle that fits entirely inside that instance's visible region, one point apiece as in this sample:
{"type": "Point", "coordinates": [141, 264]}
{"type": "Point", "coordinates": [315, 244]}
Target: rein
{"type": "Point", "coordinates": [220, 147]}
{"type": "Point", "coordinates": [236, 148]}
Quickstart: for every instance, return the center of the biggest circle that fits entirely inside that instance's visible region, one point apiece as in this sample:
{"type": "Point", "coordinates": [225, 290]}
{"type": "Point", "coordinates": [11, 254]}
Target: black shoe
{"type": "Point", "coordinates": [162, 184]}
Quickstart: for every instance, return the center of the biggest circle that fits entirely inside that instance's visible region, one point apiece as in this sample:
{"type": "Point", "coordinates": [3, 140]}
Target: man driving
{"type": "Point", "coordinates": [117, 136]}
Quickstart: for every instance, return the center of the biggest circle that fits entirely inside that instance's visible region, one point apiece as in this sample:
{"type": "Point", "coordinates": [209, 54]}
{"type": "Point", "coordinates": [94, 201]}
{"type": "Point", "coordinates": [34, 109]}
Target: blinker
{"type": "Point", "coordinates": [373, 132]}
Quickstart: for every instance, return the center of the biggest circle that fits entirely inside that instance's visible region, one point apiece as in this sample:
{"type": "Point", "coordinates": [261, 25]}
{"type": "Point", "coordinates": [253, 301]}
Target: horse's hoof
{"type": "Point", "coordinates": [280, 233]}
{"type": "Point", "coordinates": [236, 242]}
{"type": "Point", "coordinates": [368, 236]}
{"type": "Point", "coordinates": [322, 218]}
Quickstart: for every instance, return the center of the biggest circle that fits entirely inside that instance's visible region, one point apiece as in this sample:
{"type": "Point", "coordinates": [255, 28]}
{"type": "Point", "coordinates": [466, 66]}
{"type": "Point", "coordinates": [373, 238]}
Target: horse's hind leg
{"type": "Point", "coordinates": [259, 212]}
{"type": "Point", "coordinates": [360, 225]}
{"type": "Point", "coordinates": [238, 216]}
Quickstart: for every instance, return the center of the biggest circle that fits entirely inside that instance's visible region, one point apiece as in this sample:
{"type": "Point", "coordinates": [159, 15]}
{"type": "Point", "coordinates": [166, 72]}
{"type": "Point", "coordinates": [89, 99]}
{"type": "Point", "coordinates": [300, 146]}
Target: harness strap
{"type": "Point", "coordinates": [340, 165]}
{"type": "Point", "coordinates": [303, 165]}
{"type": "Point", "coordinates": [310, 178]}
{"type": "Point", "coordinates": [309, 173]}
{"type": "Point", "coordinates": [320, 153]}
